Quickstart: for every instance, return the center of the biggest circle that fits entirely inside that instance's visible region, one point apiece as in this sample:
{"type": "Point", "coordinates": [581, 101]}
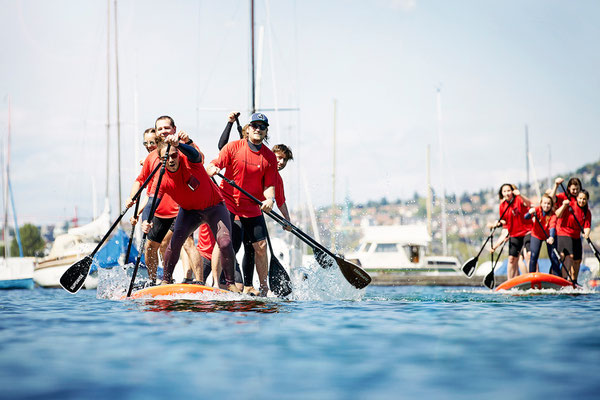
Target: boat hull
{"type": "Point", "coordinates": [16, 273]}
{"type": "Point", "coordinates": [175, 288]}
{"type": "Point", "coordinates": [535, 280]}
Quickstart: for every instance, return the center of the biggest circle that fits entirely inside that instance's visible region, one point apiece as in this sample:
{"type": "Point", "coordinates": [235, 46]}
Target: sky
{"type": "Point", "coordinates": [466, 78]}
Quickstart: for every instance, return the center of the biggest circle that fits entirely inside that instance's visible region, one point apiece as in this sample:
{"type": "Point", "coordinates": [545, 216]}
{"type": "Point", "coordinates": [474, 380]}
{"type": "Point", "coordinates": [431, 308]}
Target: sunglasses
{"type": "Point", "coordinates": [149, 143]}
{"type": "Point", "coordinates": [258, 125]}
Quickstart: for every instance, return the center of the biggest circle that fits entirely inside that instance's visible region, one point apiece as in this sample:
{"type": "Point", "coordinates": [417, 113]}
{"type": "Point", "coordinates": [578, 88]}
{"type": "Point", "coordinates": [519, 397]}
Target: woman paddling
{"type": "Point", "coordinates": [544, 229]}
{"type": "Point", "coordinates": [568, 230]}
{"type": "Point", "coordinates": [516, 227]}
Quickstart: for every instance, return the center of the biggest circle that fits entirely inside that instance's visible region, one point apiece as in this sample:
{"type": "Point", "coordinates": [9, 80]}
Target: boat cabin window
{"type": "Point", "coordinates": [386, 248]}
{"type": "Point", "coordinates": [413, 253]}
{"type": "Point", "coordinates": [367, 246]}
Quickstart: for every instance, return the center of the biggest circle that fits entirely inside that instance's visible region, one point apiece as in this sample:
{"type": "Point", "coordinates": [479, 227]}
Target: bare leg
{"type": "Point", "coordinates": [215, 266]}
{"type": "Point", "coordinates": [512, 269]}
{"type": "Point", "coordinates": [522, 267]}
{"type": "Point", "coordinates": [262, 267]}
{"type": "Point", "coordinates": [193, 258]}
{"type": "Point", "coordinates": [151, 256]}
{"type": "Point", "coordinates": [575, 269]}
{"type": "Point", "coordinates": [567, 266]}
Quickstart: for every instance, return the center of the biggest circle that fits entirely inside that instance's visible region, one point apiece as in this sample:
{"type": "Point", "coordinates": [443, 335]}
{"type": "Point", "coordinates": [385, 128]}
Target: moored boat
{"type": "Point", "coordinates": [535, 280]}
{"type": "Point", "coordinates": [16, 273]}
{"type": "Point", "coordinates": [400, 249]}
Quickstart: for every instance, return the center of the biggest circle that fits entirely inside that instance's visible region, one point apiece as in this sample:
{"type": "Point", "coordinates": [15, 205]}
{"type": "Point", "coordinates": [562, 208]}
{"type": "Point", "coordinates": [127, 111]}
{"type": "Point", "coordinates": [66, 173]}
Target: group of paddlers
{"type": "Point", "coordinates": [185, 199]}
{"type": "Point", "coordinates": [560, 220]}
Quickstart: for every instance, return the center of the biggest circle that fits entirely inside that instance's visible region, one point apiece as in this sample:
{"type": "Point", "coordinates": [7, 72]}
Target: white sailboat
{"type": "Point", "coordinates": [15, 272]}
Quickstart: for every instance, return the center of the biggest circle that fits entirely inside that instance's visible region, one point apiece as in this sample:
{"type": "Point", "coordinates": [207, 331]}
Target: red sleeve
{"type": "Point", "coordinates": [146, 169]}
{"type": "Point", "coordinates": [587, 223]}
{"type": "Point", "coordinates": [271, 172]}
{"type": "Point", "coordinates": [224, 156]}
{"type": "Point", "coordinates": [552, 224]}
{"type": "Point", "coordinates": [279, 191]}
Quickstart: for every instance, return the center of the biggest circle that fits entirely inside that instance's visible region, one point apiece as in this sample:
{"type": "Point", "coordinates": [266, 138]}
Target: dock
{"type": "Point", "coordinates": [399, 279]}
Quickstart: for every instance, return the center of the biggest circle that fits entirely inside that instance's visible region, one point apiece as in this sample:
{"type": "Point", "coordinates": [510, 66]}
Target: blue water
{"type": "Point", "coordinates": [390, 343]}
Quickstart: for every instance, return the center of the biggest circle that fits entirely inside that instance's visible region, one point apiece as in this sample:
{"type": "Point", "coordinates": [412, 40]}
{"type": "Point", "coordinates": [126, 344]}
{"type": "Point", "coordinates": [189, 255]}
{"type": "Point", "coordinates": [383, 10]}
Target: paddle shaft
{"type": "Point", "coordinates": [135, 211]}
{"type": "Point", "coordinates": [494, 229]}
{"type": "Point", "coordinates": [282, 221]}
{"type": "Point", "coordinates": [150, 216]}
{"type": "Point", "coordinates": [134, 198]}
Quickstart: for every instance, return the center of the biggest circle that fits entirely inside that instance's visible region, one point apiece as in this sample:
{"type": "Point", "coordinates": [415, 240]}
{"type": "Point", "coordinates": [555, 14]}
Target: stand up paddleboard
{"type": "Point", "coordinates": [535, 280]}
{"type": "Point", "coordinates": [174, 288]}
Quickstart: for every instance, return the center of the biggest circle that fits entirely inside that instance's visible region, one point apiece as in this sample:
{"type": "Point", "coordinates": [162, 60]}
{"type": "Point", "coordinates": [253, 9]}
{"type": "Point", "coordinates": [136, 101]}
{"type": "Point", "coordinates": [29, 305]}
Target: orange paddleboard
{"type": "Point", "coordinates": [535, 280]}
{"type": "Point", "coordinates": [174, 288]}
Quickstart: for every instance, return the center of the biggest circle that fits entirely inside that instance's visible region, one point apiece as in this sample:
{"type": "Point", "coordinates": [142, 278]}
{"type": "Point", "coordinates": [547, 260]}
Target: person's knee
{"type": "Point", "coordinates": [260, 247]}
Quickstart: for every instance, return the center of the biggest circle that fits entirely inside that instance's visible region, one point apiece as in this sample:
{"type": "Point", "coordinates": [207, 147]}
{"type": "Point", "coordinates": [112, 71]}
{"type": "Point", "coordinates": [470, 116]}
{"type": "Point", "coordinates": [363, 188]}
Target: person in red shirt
{"type": "Point", "coordinates": [164, 218]}
{"type": "Point", "coordinates": [516, 227]}
{"type": "Point", "coordinates": [546, 232]}
{"type": "Point", "coordinates": [569, 233]}
{"type": "Point", "coordinates": [200, 201]}
{"type": "Point", "coordinates": [252, 166]}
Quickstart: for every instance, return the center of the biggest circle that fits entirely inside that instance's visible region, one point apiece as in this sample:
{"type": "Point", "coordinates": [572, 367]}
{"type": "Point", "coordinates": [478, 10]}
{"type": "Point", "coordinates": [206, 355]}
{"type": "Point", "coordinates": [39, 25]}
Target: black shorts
{"type": "Point", "coordinates": [569, 246]}
{"type": "Point", "coordinates": [254, 228]}
{"type": "Point", "coordinates": [160, 227]}
{"type": "Point", "coordinates": [515, 244]}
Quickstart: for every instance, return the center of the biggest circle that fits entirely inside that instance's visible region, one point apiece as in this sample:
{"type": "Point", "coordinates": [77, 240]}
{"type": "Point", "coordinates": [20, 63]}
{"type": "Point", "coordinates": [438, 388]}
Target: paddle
{"type": "Point", "coordinates": [489, 281]}
{"type": "Point", "coordinates": [74, 277]}
{"type": "Point", "coordinates": [554, 251]}
{"type": "Point", "coordinates": [355, 275]}
{"type": "Point", "coordinates": [135, 211]}
{"type": "Point", "coordinates": [150, 216]}
{"type": "Point", "coordinates": [594, 249]}
{"type": "Point", "coordinates": [279, 280]}
{"type": "Point", "coordinates": [469, 266]}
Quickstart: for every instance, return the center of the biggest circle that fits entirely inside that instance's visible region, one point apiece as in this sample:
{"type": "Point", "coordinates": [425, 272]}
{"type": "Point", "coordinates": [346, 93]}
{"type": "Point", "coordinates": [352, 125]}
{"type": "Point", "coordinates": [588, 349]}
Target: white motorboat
{"type": "Point", "coordinates": [401, 249]}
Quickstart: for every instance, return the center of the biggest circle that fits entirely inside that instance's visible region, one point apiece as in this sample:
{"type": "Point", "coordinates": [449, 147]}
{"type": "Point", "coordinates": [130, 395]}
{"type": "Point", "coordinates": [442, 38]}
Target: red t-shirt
{"type": "Point", "coordinates": [190, 186]}
{"type": "Point", "coordinates": [279, 191]}
{"type": "Point", "coordinates": [206, 241]}
{"type": "Point", "coordinates": [516, 223]}
{"type": "Point", "coordinates": [253, 171]}
{"type": "Point", "coordinates": [566, 225]}
{"type": "Point", "coordinates": [548, 221]}
{"type": "Point", "coordinates": [167, 208]}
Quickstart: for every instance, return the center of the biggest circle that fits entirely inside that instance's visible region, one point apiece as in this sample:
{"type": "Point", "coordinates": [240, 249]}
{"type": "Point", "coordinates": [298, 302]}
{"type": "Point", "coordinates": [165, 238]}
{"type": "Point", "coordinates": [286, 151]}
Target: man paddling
{"type": "Point", "coordinates": [253, 167]}
{"type": "Point", "coordinates": [199, 199]}
{"type": "Point", "coordinates": [164, 218]}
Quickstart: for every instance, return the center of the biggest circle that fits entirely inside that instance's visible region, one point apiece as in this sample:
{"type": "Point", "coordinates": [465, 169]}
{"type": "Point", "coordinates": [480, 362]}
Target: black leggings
{"type": "Point", "coordinates": [536, 246]}
{"type": "Point", "coordinates": [187, 222]}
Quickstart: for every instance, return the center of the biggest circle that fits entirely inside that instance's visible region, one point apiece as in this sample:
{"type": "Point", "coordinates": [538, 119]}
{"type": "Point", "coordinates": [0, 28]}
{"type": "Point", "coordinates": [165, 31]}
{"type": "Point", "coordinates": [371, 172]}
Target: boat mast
{"type": "Point", "coordinates": [107, 95]}
{"type": "Point", "coordinates": [333, 177]}
{"type": "Point", "coordinates": [527, 183]}
{"type": "Point", "coordinates": [5, 181]}
{"type": "Point", "coordinates": [428, 205]}
{"type": "Point", "coordinates": [443, 189]}
{"type": "Point", "coordinates": [118, 108]}
{"type": "Point", "coordinates": [252, 89]}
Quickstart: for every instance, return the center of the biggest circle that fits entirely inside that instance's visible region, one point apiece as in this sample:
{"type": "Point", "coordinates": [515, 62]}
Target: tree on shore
{"type": "Point", "coordinates": [31, 239]}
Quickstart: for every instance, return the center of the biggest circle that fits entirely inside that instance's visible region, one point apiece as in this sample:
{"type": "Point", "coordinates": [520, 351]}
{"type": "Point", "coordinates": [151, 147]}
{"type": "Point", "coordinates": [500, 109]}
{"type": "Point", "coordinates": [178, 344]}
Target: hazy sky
{"type": "Point", "coordinates": [500, 65]}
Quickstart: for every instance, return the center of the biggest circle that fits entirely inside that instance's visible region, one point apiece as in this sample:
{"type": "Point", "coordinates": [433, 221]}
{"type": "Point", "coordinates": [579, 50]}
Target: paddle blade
{"type": "Point", "coordinates": [354, 274]}
{"type": "Point", "coordinates": [469, 266]}
{"type": "Point", "coordinates": [488, 281]}
{"type": "Point", "coordinates": [74, 277]}
{"type": "Point", "coordinates": [279, 280]}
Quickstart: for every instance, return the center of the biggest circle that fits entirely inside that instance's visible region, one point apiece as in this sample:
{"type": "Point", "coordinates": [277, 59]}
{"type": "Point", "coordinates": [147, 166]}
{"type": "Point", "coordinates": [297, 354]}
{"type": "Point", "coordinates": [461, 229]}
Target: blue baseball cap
{"type": "Point", "coordinates": [259, 117]}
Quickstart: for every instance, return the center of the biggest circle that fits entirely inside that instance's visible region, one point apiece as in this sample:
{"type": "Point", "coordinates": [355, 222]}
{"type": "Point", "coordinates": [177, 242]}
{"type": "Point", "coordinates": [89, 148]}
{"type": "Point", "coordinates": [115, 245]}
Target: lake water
{"type": "Point", "coordinates": [378, 343]}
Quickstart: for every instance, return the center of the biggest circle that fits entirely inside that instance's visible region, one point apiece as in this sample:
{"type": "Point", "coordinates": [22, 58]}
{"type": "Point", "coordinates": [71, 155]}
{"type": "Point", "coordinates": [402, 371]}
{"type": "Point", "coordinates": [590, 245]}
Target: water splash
{"type": "Point", "coordinates": [312, 282]}
{"type": "Point", "coordinates": [113, 283]}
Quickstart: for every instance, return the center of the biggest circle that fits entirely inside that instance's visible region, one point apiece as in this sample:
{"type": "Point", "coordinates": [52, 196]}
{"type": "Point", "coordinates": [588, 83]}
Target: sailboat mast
{"type": "Point", "coordinates": [333, 177]}
{"type": "Point", "coordinates": [442, 186]}
{"type": "Point", "coordinates": [107, 95]}
{"type": "Point", "coordinates": [527, 183]}
{"type": "Point", "coordinates": [118, 108]}
{"type": "Point", "coordinates": [5, 179]}
{"type": "Point", "coordinates": [253, 88]}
